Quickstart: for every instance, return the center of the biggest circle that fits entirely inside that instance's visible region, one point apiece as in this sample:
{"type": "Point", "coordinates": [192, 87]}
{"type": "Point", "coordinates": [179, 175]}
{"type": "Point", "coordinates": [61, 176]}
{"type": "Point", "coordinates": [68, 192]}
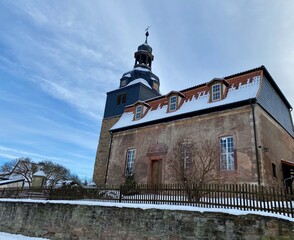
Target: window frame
{"type": "Point", "coordinates": [130, 160]}
{"type": "Point", "coordinates": [138, 114]}
{"type": "Point", "coordinates": [170, 103]}
{"type": "Point", "coordinates": [227, 154]}
{"type": "Point", "coordinates": [217, 92]}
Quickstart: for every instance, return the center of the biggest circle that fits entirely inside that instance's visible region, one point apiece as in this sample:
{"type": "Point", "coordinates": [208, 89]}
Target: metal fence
{"type": "Point", "coordinates": [229, 196]}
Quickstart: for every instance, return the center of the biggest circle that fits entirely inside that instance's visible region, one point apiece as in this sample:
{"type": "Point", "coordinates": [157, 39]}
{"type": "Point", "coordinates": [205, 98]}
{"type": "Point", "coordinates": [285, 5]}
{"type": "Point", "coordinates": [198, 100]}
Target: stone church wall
{"type": "Point", "coordinates": [275, 144]}
{"type": "Point", "coordinates": [73, 222]}
{"type": "Point", "coordinates": [103, 150]}
{"type": "Point", "coordinates": [235, 122]}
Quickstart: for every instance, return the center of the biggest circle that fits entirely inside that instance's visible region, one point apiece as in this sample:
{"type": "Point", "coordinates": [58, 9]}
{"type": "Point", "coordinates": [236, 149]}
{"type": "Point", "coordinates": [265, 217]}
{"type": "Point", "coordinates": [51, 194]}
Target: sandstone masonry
{"type": "Point", "coordinates": [71, 222]}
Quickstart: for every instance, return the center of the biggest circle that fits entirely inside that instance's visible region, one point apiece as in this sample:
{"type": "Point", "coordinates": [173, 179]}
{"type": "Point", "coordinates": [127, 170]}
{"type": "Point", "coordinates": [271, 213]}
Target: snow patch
{"type": "Point", "coordinates": [142, 69]}
{"type": "Point", "coordinates": [9, 236]}
{"type": "Point", "coordinates": [39, 174]}
{"type": "Point", "coordinates": [127, 75]}
{"type": "Point", "coordinates": [140, 80]}
{"type": "Point", "coordinates": [151, 206]}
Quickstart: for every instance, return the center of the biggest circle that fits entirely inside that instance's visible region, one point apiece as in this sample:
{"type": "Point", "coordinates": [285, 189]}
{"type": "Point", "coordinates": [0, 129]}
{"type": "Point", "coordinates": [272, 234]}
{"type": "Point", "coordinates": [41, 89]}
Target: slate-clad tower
{"type": "Point", "coordinates": [138, 84]}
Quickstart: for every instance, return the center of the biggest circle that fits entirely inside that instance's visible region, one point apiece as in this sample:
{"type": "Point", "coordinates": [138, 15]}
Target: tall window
{"type": "Point", "coordinates": [216, 92]}
{"type": "Point", "coordinates": [186, 156]}
{"type": "Point", "coordinates": [138, 113]}
{"type": "Point", "coordinates": [227, 160]}
{"type": "Point", "coordinates": [186, 163]}
{"type": "Point", "coordinates": [172, 103]}
{"type": "Point", "coordinates": [130, 162]}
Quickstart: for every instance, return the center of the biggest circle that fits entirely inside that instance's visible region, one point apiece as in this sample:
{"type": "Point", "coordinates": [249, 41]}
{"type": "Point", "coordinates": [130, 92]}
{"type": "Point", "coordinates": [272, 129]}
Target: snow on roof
{"type": "Point", "coordinates": [140, 80]}
{"type": "Point", "coordinates": [11, 181]}
{"type": "Point", "coordinates": [127, 75]}
{"type": "Point", "coordinates": [237, 92]}
{"type": "Point", "coordinates": [142, 69]}
{"type": "Point", "coordinates": [39, 174]}
{"type": "Point", "coordinates": [150, 206]}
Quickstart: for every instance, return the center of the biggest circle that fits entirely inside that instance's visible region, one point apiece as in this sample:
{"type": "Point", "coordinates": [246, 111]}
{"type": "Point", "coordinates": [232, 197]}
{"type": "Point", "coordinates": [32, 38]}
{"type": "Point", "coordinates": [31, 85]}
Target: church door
{"type": "Point", "coordinates": [156, 173]}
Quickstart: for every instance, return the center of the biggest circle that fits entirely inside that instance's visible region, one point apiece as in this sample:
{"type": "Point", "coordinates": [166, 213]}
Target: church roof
{"type": "Point", "coordinates": [243, 88]}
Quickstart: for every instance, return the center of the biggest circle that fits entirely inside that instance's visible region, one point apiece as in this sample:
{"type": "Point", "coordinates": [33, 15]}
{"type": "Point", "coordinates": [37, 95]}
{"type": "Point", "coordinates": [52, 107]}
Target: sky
{"type": "Point", "coordinates": [59, 58]}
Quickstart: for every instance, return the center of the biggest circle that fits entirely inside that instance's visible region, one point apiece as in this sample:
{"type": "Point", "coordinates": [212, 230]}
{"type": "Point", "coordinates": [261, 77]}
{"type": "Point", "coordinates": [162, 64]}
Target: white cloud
{"type": "Point", "coordinates": [11, 152]}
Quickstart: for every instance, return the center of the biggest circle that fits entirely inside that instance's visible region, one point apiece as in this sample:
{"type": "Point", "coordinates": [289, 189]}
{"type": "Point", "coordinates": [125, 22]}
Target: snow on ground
{"type": "Point", "coordinates": [151, 206]}
{"type": "Point", "coordinates": [9, 236]}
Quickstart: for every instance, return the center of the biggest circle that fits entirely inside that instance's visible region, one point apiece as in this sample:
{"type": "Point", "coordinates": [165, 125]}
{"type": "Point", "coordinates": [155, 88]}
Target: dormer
{"type": "Point", "coordinates": [140, 110]}
{"type": "Point", "coordinates": [174, 99]}
{"type": "Point", "coordinates": [218, 89]}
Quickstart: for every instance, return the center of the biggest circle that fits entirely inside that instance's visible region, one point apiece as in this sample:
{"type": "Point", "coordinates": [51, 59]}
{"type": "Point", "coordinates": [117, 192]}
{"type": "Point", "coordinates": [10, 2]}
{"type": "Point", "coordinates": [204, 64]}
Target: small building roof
{"type": "Point", "coordinates": [39, 173]}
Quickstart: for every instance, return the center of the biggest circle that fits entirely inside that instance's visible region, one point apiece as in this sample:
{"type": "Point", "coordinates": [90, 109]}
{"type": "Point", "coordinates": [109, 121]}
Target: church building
{"type": "Point", "coordinates": [244, 115]}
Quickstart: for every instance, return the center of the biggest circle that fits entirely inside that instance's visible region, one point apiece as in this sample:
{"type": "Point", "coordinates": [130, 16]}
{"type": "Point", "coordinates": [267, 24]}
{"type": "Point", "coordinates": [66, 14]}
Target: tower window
{"type": "Point", "coordinates": [274, 170]}
{"type": "Point", "coordinates": [227, 160]}
{"type": "Point", "coordinates": [121, 98]}
{"type": "Point", "coordinates": [216, 92]}
{"type": "Point", "coordinates": [130, 162]}
{"type": "Point", "coordinates": [172, 103]}
{"type": "Point", "coordinates": [138, 112]}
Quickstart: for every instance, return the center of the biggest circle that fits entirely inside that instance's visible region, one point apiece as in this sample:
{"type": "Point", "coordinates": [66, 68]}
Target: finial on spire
{"type": "Point", "coordinates": [147, 33]}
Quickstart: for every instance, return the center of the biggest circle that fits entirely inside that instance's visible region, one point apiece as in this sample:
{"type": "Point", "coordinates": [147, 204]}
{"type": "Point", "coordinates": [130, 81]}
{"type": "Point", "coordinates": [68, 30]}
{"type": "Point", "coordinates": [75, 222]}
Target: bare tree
{"type": "Point", "coordinates": [24, 167]}
{"type": "Point", "coordinates": [194, 163]}
{"type": "Point", "coordinates": [55, 172]}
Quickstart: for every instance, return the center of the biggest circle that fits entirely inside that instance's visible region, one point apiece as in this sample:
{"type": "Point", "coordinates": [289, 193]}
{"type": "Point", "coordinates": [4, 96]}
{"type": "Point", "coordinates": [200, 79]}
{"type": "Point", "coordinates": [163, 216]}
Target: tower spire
{"type": "Point", "coordinates": [144, 57]}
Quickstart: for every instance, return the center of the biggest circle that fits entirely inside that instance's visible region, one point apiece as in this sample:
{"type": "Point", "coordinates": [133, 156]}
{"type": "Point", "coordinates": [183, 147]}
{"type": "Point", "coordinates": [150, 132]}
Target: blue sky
{"type": "Point", "coordinates": [59, 58]}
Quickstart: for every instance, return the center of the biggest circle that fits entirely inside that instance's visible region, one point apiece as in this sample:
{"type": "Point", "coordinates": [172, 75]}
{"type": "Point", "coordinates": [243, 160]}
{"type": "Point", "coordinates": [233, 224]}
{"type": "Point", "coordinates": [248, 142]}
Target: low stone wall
{"type": "Point", "coordinates": [66, 221]}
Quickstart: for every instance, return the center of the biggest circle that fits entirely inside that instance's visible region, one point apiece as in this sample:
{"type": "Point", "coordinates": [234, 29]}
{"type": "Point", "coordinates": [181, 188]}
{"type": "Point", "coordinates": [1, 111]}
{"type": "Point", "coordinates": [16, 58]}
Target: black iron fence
{"type": "Point", "coordinates": [230, 196]}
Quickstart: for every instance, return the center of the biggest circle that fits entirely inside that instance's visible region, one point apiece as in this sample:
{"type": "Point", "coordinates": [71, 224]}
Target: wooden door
{"type": "Point", "coordinates": [156, 173]}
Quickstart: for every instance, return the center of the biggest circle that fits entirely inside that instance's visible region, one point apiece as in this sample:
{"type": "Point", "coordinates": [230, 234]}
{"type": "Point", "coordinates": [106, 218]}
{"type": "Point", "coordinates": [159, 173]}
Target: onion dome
{"type": "Point", "coordinates": [145, 46]}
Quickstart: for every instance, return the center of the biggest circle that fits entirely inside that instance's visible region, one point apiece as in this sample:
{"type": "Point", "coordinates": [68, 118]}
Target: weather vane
{"type": "Point", "coordinates": [147, 33]}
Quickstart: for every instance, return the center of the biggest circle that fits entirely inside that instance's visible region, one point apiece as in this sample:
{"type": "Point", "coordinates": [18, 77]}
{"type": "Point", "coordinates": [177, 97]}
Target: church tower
{"type": "Point", "coordinates": [138, 84]}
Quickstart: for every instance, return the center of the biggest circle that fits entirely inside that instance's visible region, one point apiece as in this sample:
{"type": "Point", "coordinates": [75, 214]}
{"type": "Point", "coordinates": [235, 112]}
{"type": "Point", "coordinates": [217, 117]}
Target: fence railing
{"type": "Point", "coordinates": [230, 196]}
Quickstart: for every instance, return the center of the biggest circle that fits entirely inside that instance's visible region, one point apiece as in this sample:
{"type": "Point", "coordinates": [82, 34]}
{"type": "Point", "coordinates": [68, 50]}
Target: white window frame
{"type": "Point", "coordinates": [216, 92]}
{"type": "Point", "coordinates": [186, 156]}
{"type": "Point", "coordinates": [172, 103]}
{"type": "Point", "coordinates": [138, 113]}
{"type": "Point", "coordinates": [129, 170]}
{"type": "Point", "coordinates": [227, 155]}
